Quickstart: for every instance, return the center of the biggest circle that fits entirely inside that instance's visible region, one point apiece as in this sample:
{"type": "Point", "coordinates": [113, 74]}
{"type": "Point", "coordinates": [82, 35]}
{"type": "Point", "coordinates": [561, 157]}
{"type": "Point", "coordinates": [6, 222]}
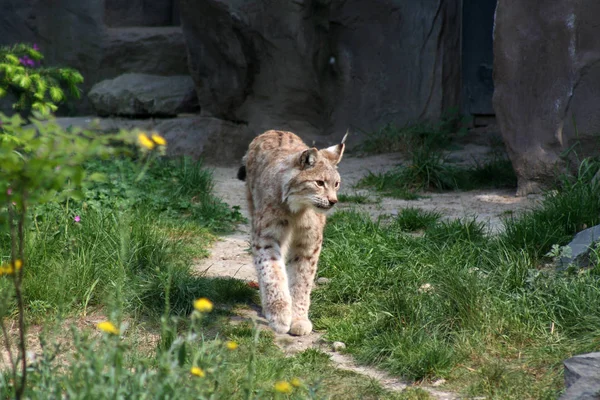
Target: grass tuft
{"type": "Point", "coordinates": [454, 303]}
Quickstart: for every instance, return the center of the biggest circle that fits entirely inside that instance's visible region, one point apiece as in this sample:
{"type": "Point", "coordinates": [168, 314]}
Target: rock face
{"type": "Point", "coordinates": [71, 33]}
{"type": "Point", "coordinates": [147, 50]}
{"type": "Point", "coordinates": [120, 13]}
{"type": "Point", "coordinates": [322, 66]}
{"type": "Point", "coordinates": [144, 95]}
{"type": "Point", "coordinates": [546, 76]}
{"type": "Point", "coordinates": [215, 140]}
{"type": "Point", "coordinates": [582, 377]}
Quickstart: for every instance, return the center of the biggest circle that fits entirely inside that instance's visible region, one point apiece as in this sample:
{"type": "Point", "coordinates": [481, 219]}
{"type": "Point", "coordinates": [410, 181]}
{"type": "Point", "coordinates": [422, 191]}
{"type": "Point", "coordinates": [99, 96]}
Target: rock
{"type": "Point", "coordinates": [320, 67]}
{"type": "Point", "coordinates": [582, 377]}
{"type": "Point", "coordinates": [216, 141]}
{"type": "Point", "coordinates": [580, 246]}
{"type": "Point", "coordinates": [323, 281]}
{"type": "Point", "coordinates": [71, 34]}
{"type": "Point", "coordinates": [338, 346]}
{"type": "Point", "coordinates": [139, 12]}
{"type": "Point", "coordinates": [144, 95]}
{"type": "Point", "coordinates": [157, 51]}
{"type": "Point", "coordinates": [535, 111]}
{"type": "Point", "coordinates": [438, 382]}
{"type": "Point", "coordinates": [17, 21]}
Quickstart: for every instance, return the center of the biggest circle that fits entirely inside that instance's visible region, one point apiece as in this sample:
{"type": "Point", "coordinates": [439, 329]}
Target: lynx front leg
{"type": "Point", "coordinates": [301, 272]}
{"type": "Point", "coordinates": [273, 281]}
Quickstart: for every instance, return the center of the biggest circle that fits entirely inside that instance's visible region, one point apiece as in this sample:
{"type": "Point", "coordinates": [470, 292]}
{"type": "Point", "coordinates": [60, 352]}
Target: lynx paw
{"type": "Point", "coordinates": [280, 323]}
{"type": "Point", "coordinates": [301, 327]}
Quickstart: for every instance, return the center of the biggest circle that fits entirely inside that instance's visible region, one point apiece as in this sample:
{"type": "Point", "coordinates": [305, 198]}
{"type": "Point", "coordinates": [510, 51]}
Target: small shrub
{"type": "Point", "coordinates": [34, 86]}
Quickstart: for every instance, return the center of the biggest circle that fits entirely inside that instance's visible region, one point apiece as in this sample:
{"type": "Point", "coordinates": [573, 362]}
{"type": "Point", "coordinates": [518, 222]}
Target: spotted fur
{"type": "Point", "coordinates": [289, 187]}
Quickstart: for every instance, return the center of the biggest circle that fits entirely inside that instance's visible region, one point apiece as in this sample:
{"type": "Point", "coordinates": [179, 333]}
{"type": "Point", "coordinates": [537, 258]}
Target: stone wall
{"type": "Point", "coordinates": [321, 66]}
{"type": "Point", "coordinates": [317, 67]}
{"type": "Point", "coordinates": [547, 81]}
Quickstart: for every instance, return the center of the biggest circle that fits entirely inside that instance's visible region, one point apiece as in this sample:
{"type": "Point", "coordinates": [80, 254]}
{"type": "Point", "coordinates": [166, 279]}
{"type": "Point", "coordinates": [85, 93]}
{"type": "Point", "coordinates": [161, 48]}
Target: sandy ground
{"type": "Point", "coordinates": [230, 256]}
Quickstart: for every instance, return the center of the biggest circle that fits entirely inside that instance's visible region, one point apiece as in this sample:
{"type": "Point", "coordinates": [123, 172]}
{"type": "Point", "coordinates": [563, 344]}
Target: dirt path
{"type": "Point", "coordinates": [230, 258]}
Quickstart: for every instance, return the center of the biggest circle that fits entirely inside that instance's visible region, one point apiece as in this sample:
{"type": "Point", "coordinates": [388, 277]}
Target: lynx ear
{"type": "Point", "coordinates": [335, 153]}
{"type": "Point", "coordinates": [308, 158]}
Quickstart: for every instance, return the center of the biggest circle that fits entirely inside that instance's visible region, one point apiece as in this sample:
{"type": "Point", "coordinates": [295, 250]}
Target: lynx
{"type": "Point", "coordinates": [290, 187]}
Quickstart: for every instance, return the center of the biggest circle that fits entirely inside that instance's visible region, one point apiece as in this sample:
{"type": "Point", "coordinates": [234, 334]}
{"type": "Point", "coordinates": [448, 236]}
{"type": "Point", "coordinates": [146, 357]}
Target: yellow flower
{"type": "Point", "coordinates": [6, 270]}
{"type": "Point", "coordinates": [108, 327]}
{"type": "Point", "coordinates": [145, 141]}
{"type": "Point", "coordinates": [295, 382]}
{"type": "Point", "coordinates": [196, 371]}
{"type": "Point", "coordinates": [9, 269]}
{"type": "Point", "coordinates": [159, 140]}
{"type": "Point", "coordinates": [283, 387]}
{"type": "Point", "coordinates": [203, 305]}
{"type": "Point", "coordinates": [231, 345]}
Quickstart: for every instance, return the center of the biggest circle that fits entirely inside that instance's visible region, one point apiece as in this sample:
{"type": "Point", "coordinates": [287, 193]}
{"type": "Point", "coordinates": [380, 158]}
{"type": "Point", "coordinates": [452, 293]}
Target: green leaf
{"type": "Point", "coordinates": [97, 177]}
{"type": "Point", "coordinates": [11, 58]}
{"type": "Point", "coordinates": [56, 94]}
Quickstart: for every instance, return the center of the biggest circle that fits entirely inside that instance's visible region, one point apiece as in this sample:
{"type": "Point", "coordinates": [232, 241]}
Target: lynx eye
{"type": "Point", "coordinates": [320, 183]}
{"type": "Point", "coordinates": [337, 184]}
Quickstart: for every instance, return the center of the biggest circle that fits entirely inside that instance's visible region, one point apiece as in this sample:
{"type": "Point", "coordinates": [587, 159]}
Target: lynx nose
{"type": "Point", "coordinates": [332, 202]}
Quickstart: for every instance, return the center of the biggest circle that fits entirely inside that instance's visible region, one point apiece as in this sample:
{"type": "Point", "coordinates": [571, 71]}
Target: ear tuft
{"type": "Point", "coordinates": [308, 158]}
{"type": "Point", "coordinates": [335, 153]}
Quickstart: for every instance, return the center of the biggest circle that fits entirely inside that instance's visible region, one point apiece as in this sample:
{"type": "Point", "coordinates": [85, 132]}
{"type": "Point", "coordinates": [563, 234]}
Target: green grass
{"type": "Point", "coordinates": [460, 305]}
{"type": "Point", "coordinates": [427, 145]}
{"type": "Point", "coordinates": [431, 172]}
{"type": "Point", "coordinates": [129, 367]}
{"type": "Point", "coordinates": [392, 138]}
{"type": "Point", "coordinates": [135, 242]}
{"type": "Point", "coordinates": [356, 198]}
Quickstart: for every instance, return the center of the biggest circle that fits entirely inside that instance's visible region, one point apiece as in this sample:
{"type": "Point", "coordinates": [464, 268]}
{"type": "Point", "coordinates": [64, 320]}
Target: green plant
{"type": "Point", "coordinates": [413, 219]}
{"type": "Point", "coordinates": [34, 86]}
{"type": "Point", "coordinates": [40, 163]}
{"type": "Point", "coordinates": [355, 198]}
{"type": "Point", "coordinates": [429, 170]}
{"type": "Point", "coordinates": [392, 138]}
{"type": "Point", "coordinates": [480, 311]}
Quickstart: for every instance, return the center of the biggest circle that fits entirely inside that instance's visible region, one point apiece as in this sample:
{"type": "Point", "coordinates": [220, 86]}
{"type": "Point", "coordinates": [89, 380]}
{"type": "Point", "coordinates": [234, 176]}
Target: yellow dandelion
{"type": "Point", "coordinates": [145, 141]}
{"type": "Point", "coordinates": [6, 270]}
{"type": "Point", "coordinates": [203, 305]}
{"type": "Point", "coordinates": [18, 264]}
{"type": "Point", "coordinates": [283, 387]}
{"type": "Point", "coordinates": [231, 345]}
{"type": "Point", "coordinates": [159, 140]}
{"type": "Point", "coordinates": [295, 382]}
{"type": "Point", "coordinates": [108, 327]}
{"type": "Point", "coordinates": [197, 371]}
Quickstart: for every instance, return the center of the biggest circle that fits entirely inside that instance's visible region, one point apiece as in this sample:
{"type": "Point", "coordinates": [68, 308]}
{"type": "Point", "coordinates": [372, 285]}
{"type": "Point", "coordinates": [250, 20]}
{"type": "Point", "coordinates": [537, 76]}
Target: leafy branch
{"type": "Point", "coordinates": [34, 86]}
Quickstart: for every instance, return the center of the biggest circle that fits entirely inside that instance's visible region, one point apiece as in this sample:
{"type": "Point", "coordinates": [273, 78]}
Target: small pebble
{"type": "Point", "coordinates": [337, 346]}
{"type": "Point", "coordinates": [439, 382]}
{"type": "Point", "coordinates": [323, 281]}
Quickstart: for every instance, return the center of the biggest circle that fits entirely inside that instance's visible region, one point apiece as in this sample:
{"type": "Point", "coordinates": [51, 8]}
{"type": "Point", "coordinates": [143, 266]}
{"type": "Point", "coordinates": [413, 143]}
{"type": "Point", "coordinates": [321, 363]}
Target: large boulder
{"type": "Point", "coordinates": [144, 95]}
{"type": "Point", "coordinates": [17, 21]}
{"type": "Point", "coordinates": [147, 50]}
{"type": "Point", "coordinates": [547, 85]}
{"type": "Point", "coordinates": [217, 141]}
{"type": "Point", "coordinates": [71, 34]}
{"type": "Point", "coordinates": [121, 13]}
{"type": "Point", "coordinates": [582, 377]}
{"type": "Point", "coordinates": [321, 66]}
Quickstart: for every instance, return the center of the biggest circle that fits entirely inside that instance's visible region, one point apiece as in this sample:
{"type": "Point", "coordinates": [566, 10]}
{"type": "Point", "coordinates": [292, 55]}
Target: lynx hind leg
{"type": "Point", "coordinates": [273, 282]}
{"type": "Point", "coordinates": [301, 271]}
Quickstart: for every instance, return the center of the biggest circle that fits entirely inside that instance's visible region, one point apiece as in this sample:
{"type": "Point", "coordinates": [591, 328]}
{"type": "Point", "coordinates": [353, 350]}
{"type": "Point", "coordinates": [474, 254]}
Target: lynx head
{"type": "Point", "coordinates": [316, 179]}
